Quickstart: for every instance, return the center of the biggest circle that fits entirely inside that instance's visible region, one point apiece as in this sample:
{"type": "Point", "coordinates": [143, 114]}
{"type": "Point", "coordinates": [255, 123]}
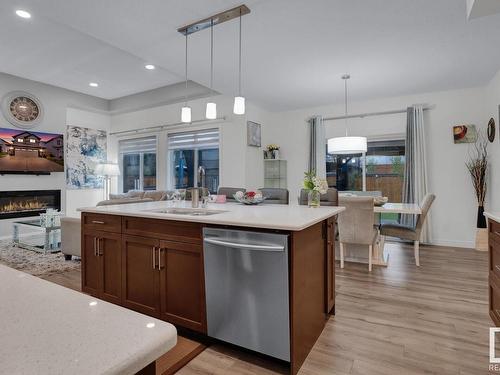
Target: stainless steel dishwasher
{"type": "Point", "coordinates": [246, 285]}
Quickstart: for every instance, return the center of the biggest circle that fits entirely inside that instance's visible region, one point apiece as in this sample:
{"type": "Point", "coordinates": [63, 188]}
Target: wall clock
{"type": "Point", "coordinates": [22, 109]}
{"type": "Point", "coordinates": [491, 130]}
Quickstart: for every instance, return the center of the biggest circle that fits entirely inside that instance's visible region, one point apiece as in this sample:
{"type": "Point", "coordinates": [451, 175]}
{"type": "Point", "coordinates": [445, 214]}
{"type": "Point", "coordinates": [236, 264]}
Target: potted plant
{"type": "Point", "coordinates": [315, 187]}
{"type": "Point", "coordinates": [477, 165]}
{"type": "Point", "coordinates": [273, 151]}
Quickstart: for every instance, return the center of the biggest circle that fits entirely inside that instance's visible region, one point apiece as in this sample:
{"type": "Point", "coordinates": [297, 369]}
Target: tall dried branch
{"type": "Point", "coordinates": [477, 165]}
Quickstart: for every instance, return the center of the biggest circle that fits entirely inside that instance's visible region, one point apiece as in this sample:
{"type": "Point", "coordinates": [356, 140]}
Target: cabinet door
{"type": "Point", "coordinates": [182, 285]}
{"type": "Point", "coordinates": [110, 264]}
{"type": "Point", "coordinates": [330, 266]}
{"type": "Point", "coordinates": [90, 263]}
{"type": "Point", "coordinates": [140, 275]}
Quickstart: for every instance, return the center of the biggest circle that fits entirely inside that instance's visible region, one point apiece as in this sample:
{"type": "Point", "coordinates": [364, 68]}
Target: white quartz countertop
{"type": "Point", "coordinates": [48, 329]}
{"type": "Point", "coordinates": [269, 216]}
{"type": "Point", "coordinates": [493, 216]}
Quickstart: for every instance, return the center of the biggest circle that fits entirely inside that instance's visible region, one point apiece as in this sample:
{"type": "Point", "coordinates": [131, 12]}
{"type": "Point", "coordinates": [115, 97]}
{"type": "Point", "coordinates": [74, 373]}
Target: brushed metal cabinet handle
{"type": "Point", "coordinates": [95, 246]}
{"type": "Point", "coordinates": [497, 233]}
{"type": "Point", "coordinates": [97, 222]}
{"type": "Point", "coordinates": [99, 246]}
{"type": "Point", "coordinates": [153, 252]}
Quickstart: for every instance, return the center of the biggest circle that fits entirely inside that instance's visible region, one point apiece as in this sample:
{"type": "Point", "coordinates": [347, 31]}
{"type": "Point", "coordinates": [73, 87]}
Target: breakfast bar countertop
{"type": "Point", "coordinates": [269, 216]}
{"type": "Point", "coordinates": [48, 329]}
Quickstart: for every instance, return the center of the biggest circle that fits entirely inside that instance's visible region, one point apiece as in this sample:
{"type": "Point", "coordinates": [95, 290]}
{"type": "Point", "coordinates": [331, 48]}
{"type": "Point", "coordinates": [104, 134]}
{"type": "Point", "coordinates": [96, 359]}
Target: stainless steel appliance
{"type": "Point", "coordinates": [246, 282]}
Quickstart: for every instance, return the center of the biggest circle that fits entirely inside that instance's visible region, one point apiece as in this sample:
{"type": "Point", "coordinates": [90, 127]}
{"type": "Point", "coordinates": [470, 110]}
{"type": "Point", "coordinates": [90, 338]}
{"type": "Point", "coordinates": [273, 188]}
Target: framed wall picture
{"type": "Point", "coordinates": [464, 133]}
{"type": "Point", "coordinates": [254, 134]}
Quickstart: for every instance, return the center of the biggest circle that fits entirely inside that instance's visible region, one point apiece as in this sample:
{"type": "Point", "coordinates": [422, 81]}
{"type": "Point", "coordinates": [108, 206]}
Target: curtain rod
{"type": "Point", "coordinates": [361, 115]}
{"type": "Point", "coordinates": [161, 127]}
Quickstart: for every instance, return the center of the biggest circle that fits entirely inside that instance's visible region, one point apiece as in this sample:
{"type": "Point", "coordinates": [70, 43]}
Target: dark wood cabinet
{"type": "Point", "coordinates": [182, 284]}
{"type": "Point", "coordinates": [140, 274]}
{"type": "Point", "coordinates": [330, 266]}
{"type": "Point", "coordinates": [494, 270]}
{"type": "Point", "coordinates": [101, 265]}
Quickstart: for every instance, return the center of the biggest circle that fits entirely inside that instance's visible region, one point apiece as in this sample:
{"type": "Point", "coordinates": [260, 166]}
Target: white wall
{"type": "Point", "coordinates": [55, 102]}
{"type": "Point", "coordinates": [454, 212]}
{"type": "Point", "coordinates": [493, 102]}
{"type": "Point", "coordinates": [240, 165]}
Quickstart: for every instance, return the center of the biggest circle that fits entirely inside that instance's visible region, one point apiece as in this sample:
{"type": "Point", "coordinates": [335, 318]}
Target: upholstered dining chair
{"type": "Point", "coordinates": [411, 233]}
{"type": "Point", "coordinates": [229, 192]}
{"type": "Point", "coordinates": [330, 198]}
{"type": "Point", "coordinates": [356, 225]}
{"type": "Point", "coordinates": [275, 195]}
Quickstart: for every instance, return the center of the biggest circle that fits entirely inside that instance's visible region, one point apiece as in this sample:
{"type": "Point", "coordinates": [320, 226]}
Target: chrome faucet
{"type": "Point", "coordinates": [201, 176]}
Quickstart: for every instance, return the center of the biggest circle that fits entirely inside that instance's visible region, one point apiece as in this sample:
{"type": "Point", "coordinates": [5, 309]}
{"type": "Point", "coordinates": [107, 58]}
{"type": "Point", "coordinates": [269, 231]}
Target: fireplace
{"type": "Point", "coordinates": [28, 203]}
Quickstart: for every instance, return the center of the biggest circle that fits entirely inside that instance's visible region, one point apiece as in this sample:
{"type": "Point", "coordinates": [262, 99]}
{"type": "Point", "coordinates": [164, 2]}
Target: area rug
{"type": "Point", "coordinates": [36, 264]}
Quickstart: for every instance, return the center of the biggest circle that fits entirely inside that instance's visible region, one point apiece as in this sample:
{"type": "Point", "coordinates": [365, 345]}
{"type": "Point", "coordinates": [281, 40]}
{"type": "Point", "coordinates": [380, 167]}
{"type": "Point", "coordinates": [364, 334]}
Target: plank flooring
{"type": "Point", "coordinates": [397, 320]}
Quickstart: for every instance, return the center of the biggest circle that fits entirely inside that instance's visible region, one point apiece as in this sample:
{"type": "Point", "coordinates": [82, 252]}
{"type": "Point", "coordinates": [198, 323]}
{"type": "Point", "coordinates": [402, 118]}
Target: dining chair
{"type": "Point", "coordinates": [411, 233]}
{"type": "Point", "coordinates": [229, 192]}
{"type": "Point", "coordinates": [356, 225]}
{"type": "Point", "coordinates": [275, 195]}
{"type": "Point", "coordinates": [330, 198]}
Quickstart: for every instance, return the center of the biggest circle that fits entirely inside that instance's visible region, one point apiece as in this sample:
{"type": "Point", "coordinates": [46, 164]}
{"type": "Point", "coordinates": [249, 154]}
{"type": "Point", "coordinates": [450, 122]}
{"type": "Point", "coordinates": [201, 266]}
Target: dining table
{"type": "Point", "coordinates": [380, 255]}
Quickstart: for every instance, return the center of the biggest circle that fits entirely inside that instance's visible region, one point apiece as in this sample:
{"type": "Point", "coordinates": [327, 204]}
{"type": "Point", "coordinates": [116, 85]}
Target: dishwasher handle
{"type": "Point", "coordinates": [215, 241]}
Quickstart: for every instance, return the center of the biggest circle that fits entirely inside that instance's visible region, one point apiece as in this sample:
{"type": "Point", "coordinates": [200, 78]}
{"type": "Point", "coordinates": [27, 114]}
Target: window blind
{"type": "Point", "coordinates": [138, 145]}
{"type": "Point", "coordinates": [208, 138]}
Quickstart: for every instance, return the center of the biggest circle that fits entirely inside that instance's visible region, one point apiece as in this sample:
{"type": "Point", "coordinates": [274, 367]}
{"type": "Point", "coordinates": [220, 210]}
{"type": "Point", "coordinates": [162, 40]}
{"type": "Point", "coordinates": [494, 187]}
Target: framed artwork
{"type": "Point", "coordinates": [254, 134]}
{"type": "Point", "coordinates": [85, 148]}
{"type": "Point", "coordinates": [464, 133]}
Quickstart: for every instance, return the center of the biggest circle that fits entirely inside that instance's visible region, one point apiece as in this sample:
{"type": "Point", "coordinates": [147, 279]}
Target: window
{"type": "Point", "coordinates": [32, 141]}
{"type": "Point", "coordinates": [383, 171]}
{"type": "Point", "coordinates": [138, 163]}
{"type": "Point", "coordinates": [20, 140]}
{"type": "Point", "coordinates": [188, 151]}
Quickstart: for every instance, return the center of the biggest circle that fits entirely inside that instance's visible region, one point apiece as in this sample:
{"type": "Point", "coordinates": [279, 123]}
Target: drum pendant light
{"type": "Point", "coordinates": [211, 111]}
{"type": "Point", "coordinates": [186, 110]}
{"type": "Point", "coordinates": [347, 145]}
{"type": "Point", "coordinates": [239, 101]}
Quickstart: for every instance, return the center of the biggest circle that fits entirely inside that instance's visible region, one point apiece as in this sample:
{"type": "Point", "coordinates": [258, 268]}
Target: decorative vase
{"type": "Point", "coordinates": [481, 220]}
{"type": "Point", "coordinates": [276, 154]}
{"type": "Point", "coordinates": [313, 198]}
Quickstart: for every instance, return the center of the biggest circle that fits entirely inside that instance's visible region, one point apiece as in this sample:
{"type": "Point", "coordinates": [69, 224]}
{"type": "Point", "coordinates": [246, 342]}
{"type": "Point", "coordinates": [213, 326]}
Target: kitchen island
{"type": "Point", "coordinates": [48, 329]}
{"type": "Point", "coordinates": [149, 257]}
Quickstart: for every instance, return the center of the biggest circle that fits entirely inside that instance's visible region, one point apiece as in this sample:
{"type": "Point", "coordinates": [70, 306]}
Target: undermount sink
{"type": "Point", "coordinates": [186, 211]}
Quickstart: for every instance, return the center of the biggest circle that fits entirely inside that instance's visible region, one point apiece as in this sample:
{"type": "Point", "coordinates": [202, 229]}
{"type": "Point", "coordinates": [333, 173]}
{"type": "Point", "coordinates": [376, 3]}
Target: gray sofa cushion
{"type": "Point", "coordinates": [156, 195]}
{"type": "Point", "coordinates": [111, 202]}
{"type": "Point", "coordinates": [117, 196]}
{"type": "Point", "coordinates": [135, 194]}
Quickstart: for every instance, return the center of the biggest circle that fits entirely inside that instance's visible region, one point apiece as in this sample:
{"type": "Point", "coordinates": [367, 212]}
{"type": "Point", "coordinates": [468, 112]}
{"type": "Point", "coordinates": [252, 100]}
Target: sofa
{"type": "Point", "coordinates": [71, 227]}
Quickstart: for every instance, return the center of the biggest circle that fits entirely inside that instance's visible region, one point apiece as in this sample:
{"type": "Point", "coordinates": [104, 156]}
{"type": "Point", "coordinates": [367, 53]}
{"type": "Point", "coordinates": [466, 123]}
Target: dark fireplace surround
{"type": "Point", "coordinates": [14, 204]}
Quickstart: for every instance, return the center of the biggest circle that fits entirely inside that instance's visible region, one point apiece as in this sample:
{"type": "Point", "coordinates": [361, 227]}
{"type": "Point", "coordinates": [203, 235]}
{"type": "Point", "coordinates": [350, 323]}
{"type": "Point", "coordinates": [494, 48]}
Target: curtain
{"type": "Point", "coordinates": [415, 174]}
{"type": "Point", "coordinates": [317, 146]}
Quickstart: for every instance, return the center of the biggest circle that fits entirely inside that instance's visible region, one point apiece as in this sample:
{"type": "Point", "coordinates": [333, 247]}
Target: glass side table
{"type": "Point", "coordinates": [49, 242]}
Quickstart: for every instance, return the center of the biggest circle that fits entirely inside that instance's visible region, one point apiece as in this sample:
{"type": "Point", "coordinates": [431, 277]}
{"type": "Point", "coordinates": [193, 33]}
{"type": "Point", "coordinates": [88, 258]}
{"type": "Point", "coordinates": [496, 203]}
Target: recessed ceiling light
{"type": "Point", "coordinates": [93, 84]}
{"type": "Point", "coordinates": [23, 14]}
{"type": "Point", "coordinates": [149, 67]}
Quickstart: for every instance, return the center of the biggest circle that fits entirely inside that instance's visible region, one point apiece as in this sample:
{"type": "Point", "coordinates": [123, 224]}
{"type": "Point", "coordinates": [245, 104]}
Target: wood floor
{"type": "Point", "coordinates": [397, 320]}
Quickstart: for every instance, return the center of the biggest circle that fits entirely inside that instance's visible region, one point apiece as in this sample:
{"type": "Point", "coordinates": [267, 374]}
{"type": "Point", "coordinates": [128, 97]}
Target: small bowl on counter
{"type": "Point", "coordinates": [250, 198]}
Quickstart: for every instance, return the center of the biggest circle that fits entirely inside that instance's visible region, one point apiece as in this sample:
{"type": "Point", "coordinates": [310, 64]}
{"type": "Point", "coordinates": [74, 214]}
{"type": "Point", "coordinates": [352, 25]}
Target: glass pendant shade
{"type": "Point", "coordinates": [211, 112]}
{"type": "Point", "coordinates": [239, 105]}
{"type": "Point", "coordinates": [186, 114]}
{"type": "Point", "coordinates": [347, 145]}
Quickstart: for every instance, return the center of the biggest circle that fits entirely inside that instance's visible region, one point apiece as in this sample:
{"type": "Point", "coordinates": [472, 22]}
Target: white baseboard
{"type": "Point", "coordinates": [451, 243]}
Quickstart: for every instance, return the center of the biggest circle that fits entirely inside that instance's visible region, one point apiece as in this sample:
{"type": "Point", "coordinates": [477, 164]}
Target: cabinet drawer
{"type": "Point", "coordinates": [494, 231]}
{"type": "Point", "coordinates": [494, 296]}
{"type": "Point", "coordinates": [179, 231]}
{"type": "Point", "coordinates": [102, 222]}
{"type": "Point", "coordinates": [494, 254]}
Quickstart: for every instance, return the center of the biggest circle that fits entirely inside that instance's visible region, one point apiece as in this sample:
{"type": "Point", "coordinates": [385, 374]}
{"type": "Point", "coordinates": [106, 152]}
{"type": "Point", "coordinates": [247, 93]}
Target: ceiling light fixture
{"type": "Point", "coordinates": [23, 14]}
{"type": "Point", "coordinates": [347, 145]}
{"type": "Point", "coordinates": [211, 111]}
{"type": "Point", "coordinates": [150, 67]}
{"type": "Point", "coordinates": [186, 110]}
{"type": "Point", "coordinates": [93, 84]}
{"type": "Point", "coordinates": [239, 101]}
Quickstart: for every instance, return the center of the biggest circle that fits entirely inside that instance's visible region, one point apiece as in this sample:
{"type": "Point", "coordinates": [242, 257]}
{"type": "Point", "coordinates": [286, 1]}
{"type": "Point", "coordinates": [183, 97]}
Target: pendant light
{"type": "Point", "coordinates": [347, 145]}
{"type": "Point", "coordinates": [211, 111]}
{"type": "Point", "coordinates": [239, 101]}
{"type": "Point", "coordinates": [186, 110]}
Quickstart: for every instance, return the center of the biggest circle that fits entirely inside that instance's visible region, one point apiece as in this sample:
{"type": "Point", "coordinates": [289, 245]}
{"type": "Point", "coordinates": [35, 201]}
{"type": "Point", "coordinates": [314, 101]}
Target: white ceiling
{"type": "Point", "coordinates": [294, 51]}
